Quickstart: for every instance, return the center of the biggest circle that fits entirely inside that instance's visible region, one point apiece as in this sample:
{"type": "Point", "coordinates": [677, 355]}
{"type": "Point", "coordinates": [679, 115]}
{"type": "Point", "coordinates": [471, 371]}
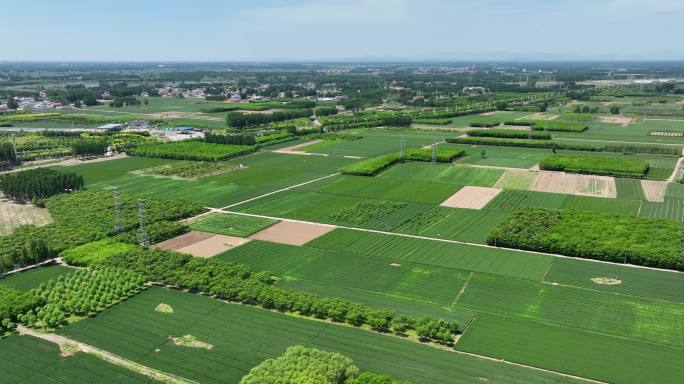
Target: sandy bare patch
{"type": "Point", "coordinates": [654, 190]}
{"type": "Point", "coordinates": [575, 184]}
{"type": "Point", "coordinates": [163, 308]}
{"type": "Point", "coordinates": [68, 349]}
{"type": "Point", "coordinates": [190, 341]}
{"type": "Point", "coordinates": [395, 265]}
{"type": "Point", "coordinates": [213, 245]}
{"type": "Point", "coordinates": [293, 150]}
{"type": "Point", "coordinates": [74, 161]}
{"type": "Point", "coordinates": [183, 240]}
{"type": "Point", "coordinates": [606, 281]}
{"type": "Point", "coordinates": [538, 116]}
{"type": "Point", "coordinates": [488, 113]}
{"type": "Point", "coordinates": [535, 167]}
{"type": "Point", "coordinates": [13, 215]}
{"type": "Point", "coordinates": [471, 197]}
{"type": "Point", "coordinates": [292, 232]}
{"type": "Point", "coordinates": [625, 121]}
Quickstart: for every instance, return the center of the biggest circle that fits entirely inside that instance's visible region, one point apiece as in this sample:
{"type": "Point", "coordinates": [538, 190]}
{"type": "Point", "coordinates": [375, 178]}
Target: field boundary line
{"type": "Point", "coordinates": [463, 288]}
{"type": "Point", "coordinates": [547, 270]}
{"type": "Point", "coordinates": [449, 241]}
{"type": "Point", "coordinates": [279, 190]}
{"type": "Point", "coordinates": [619, 141]}
{"type": "Point", "coordinates": [65, 342]}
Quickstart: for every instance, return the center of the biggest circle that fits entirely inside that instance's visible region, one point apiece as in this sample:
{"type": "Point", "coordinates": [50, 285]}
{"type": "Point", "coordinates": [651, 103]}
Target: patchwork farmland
{"type": "Point", "coordinates": [543, 247]}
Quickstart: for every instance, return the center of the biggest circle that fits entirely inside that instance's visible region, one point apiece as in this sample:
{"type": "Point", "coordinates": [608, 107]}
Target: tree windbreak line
{"type": "Point", "coordinates": [89, 148]}
{"type": "Point", "coordinates": [596, 165]}
{"type": "Point", "coordinates": [300, 365]}
{"type": "Point", "coordinates": [244, 120]}
{"type": "Point", "coordinates": [525, 142]}
{"type": "Point", "coordinates": [589, 235]}
{"type": "Point", "coordinates": [374, 165]}
{"type": "Point", "coordinates": [510, 134]}
{"type": "Point", "coordinates": [237, 283]}
{"type": "Point", "coordinates": [38, 183]}
{"type": "Point", "coordinates": [85, 216]}
{"type": "Point", "coordinates": [192, 150]}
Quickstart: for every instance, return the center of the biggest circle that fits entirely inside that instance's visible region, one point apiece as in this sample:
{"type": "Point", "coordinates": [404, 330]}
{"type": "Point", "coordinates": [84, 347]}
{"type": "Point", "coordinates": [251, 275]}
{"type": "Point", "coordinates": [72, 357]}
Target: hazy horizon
{"type": "Point", "coordinates": [331, 31]}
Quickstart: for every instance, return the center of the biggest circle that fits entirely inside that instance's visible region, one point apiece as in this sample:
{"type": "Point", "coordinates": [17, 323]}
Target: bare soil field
{"type": "Point", "coordinates": [575, 184]}
{"type": "Point", "coordinates": [625, 121]}
{"type": "Point", "coordinates": [201, 244]}
{"type": "Point", "coordinates": [654, 190]}
{"type": "Point", "coordinates": [538, 116]}
{"type": "Point", "coordinates": [213, 245]}
{"type": "Point", "coordinates": [183, 240]}
{"type": "Point", "coordinates": [292, 232]}
{"type": "Point", "coordinates": [13, 215]}
{"type": "Point", "coordinates": [292, 150]}
{"type": "Point", "coordinates": [471, 197]}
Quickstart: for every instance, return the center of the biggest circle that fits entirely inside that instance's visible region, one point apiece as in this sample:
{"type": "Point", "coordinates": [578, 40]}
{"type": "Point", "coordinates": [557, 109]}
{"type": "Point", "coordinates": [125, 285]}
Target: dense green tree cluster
{"type": "Point", "coordinates": [89, 148]}
{"type": "Point", "coordinates": [13, 304]}
{"type": "Point", "coordinates": [82, 292]}
{"type": "Point", "coordinates": [191, 150]}
{"type": "Point", "coordinates": [88, 215]}
{"type": "Point", "coordinates": [38, 183]}
{"type": "Point", "coordinates": [125, 101]}
{"type": "Point", "coordinates": [7, 153]}
{"type": "Point", "coordinates": [244, 120]}
{"type": "Point", "coordinates": [237, 283]}
{"type": "Point", "coordinates": [615, 238]}
{"type": "Point", "coordinates": [326, 111]}
{"type": "Point", "coordinates": [229, 139]}
{"type": "Point", "coordinates": [299, 365]}
{"type": "Point", "coordinates": [484, 124]}
{"type": "Point", "coordinates": [396, 121]}
{"type": "Point", "coordinates": [596, 165]}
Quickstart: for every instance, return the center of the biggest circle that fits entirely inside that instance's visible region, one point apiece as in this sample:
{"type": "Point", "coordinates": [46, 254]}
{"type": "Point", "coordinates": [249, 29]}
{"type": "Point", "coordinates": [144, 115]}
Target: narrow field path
{"type": "Point", "coordinates": [280, 190]}
{"type": "Point", "coordinates": [445, 240]}
{"type": "Point", "coordinates": [672, 177]}
{"type": "Point", "coordinates": [70, 346]}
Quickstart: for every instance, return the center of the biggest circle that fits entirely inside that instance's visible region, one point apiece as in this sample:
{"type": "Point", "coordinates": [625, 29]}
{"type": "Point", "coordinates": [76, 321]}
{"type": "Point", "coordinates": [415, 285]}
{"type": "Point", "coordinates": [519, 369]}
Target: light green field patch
{"type": "Point", "coordinates": [514, 179]}
{"type": "Point", "coordinates": [231, 225]}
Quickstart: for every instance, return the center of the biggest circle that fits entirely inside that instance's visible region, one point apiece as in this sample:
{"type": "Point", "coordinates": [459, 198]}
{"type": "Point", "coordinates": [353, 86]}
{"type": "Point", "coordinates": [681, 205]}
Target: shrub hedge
{"type": "Point", "coordinates": [510, 134]}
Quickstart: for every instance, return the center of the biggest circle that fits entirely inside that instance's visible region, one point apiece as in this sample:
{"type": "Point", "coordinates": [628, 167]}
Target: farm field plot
{"type": "Point", "coordinates": [514, 179]}
{"type": "Point", "coordinates": [510, 200]}
{"type": "Point", "coordinates": [231, 225]}
{"type": "Point", "coordinates": [615, 278]}
{"type": "Point", "coordinates": [629, 189]}
{"type": "Point", "coordinates": [33, 277]}
{"type": "Point", "coordinates": [471, 197]}
{"type": "Point", "coordinates": [13, 215]}
{"type": "Point", "coordinates": [635, 132]}
{"type": "Point", "coordinates": [443, 173]}
{"type": "Point", "coordinates": [201, 244]}
{"type": "Point", "coordinates": [631, 317]}
{"type": "Point", "coordinates": [672, 209]}
{"type": "Point", "coordinates": [654, 190]}
{"type": "Point", "coordinates": [292, 232]}
{"type": "Point", "coordinates": [97, 172]}
{"type": "Point", "coordinates": [26, 359]}
{"type": "Point", "coordinates": [436, 253]}
{"type": "Point", "coordinates": [605, 358]}
{"type": "Point", "coordinates": [134, 330]}
{"type": "Point", "coordinates": [574, 184]}
{"type": "Point", "coordinates": [379, 141]}
{"type": "Point", "coordinates": [374, 187]}
{"type": "Point", "coordinates": [379, 276]}
{"type": "Point", "coordinates": [602, 205]}
{"type": "Point", "coordinates": [675, 191]}
{"type": "Point", "coordinates": [453, 223]}
{"type": "Point", "coordinates": [513, 157]}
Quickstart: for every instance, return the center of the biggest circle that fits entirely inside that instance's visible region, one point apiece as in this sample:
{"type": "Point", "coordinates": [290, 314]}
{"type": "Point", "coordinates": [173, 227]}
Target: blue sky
{"type": "Point", "coordinates": [307, 30]}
